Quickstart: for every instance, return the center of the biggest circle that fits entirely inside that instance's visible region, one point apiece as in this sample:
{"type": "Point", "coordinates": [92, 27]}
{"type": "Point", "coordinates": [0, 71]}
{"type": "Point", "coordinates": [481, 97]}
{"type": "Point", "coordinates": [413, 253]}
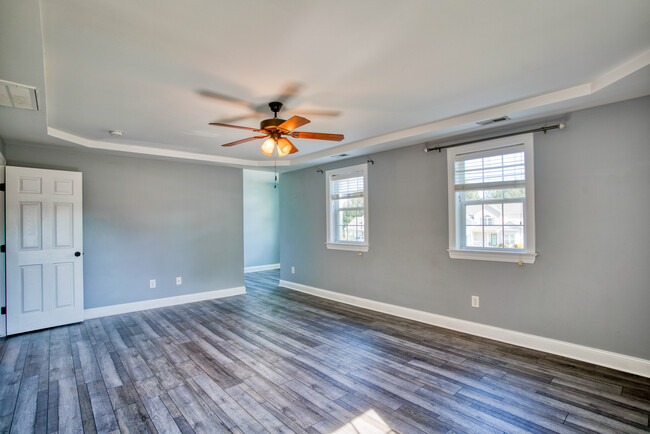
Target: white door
{"type": "Point", "coordinates": [44, 245]}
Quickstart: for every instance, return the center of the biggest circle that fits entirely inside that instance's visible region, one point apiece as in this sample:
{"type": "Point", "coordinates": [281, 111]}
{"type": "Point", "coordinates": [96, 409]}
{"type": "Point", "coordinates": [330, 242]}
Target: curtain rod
{"type": "Point", "coordinates": [559, 126]}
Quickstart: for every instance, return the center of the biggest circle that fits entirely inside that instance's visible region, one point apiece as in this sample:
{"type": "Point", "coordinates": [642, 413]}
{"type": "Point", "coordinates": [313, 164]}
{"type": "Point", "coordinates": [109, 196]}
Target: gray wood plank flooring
{"type": "Point", "coordinates": [276, 360]}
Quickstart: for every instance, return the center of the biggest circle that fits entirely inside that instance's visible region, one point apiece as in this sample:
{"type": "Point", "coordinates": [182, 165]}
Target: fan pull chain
{"type": "Point", "coordinates": [275, 166]}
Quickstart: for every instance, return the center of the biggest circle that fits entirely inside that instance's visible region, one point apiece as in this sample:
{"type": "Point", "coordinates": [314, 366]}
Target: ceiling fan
{"type": "Point", "coordinates": [274, 130]}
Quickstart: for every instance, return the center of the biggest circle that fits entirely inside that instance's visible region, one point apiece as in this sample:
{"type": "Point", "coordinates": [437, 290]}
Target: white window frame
{"type": "Point", "coordinates": [330, 219]}
{"type": "Point", "coordinates": [455, 250]}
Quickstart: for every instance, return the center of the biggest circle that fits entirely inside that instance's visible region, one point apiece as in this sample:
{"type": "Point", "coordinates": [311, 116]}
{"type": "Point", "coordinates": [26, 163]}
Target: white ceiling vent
{"type": "Point", "coordinates": [493, 121]}
{"type": "Point", "coordinates": [339, 155]}
{"type": "Point", "coordinates": [18, 95]}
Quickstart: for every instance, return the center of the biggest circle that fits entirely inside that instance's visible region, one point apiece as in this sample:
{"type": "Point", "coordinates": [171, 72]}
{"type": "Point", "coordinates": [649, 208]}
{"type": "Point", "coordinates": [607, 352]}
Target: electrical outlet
{"type": "Point", "coordinates": [152, 283]}
{"type": "Point", "coordinates": [179, 280]}
{"type": "Point", "coordinates": [474, 300]}
{"type": "Point", "coordinates": [293, 270]}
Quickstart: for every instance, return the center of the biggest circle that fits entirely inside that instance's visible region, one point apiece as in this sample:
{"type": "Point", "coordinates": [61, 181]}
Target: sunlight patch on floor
{"type": "Point", "coordinates": [368, 422]}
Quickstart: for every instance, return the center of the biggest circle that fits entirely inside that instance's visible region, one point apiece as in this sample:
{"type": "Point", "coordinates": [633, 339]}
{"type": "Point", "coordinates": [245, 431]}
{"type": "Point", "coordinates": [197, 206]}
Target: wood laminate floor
{"type": "Point", "coordinates": [281, 361]}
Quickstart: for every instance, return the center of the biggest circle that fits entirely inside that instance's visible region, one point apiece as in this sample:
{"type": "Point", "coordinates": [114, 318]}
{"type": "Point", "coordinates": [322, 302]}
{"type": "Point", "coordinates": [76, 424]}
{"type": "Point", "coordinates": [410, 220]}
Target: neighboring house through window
{"type": "Point", "coordinates": [491, 200]}
{"type": "Point", "coordinates": [347, 208]}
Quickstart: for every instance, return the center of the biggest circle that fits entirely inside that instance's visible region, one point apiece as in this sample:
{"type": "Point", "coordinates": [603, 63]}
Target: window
{"type": "Point", "coordinates": [492, 200]}
{"type": "Point", "coordinates": [347, 210]}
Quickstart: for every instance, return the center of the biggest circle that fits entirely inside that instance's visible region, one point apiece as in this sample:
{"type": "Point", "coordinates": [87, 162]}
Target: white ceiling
{"type": "Point", "coordinates": [399, 72]}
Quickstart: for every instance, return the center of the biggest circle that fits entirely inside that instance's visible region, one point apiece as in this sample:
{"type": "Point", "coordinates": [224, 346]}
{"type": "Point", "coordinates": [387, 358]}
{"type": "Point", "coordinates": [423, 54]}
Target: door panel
{"type": "Point", "coordinates": [63, 225]}
{"type": "Point", "coordinates": [31, 225]}
{"type": "Point", "coordinates": [63, 186]}
{"type": "Point", "coordinates": [64, 275]}
{"type": "Point", "coordinates": [31, 288]}
{"type": "Point", "coordinates": [30, 185]}
{"type": "Point", "coordinates": [44, 230]}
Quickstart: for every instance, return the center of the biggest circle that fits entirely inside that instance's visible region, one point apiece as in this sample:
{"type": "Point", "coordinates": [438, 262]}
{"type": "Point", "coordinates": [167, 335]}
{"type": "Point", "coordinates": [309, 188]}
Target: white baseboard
{"type": "Point", "coordinates": [116, 309]}
{"type": "Point", "coordinates": [261, 268]}
{"type": "Point", "coordinates": [596, 356]}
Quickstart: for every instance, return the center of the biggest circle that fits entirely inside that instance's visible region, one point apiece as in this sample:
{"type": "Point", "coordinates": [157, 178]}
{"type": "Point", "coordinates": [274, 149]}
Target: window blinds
{"type": "Point", "coordinates": [490, 169]}
{"type": "Point", "coordinates": [346, 186]}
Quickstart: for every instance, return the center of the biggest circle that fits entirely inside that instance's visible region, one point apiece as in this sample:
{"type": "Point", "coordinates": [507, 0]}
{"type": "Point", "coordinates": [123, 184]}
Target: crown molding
{"type": "Point", "coordinates": [158, 152]}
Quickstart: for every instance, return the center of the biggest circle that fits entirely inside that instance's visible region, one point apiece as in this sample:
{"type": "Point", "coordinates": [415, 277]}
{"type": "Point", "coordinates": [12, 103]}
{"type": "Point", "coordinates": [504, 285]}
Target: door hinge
{"type": "Point", "coordinates": [3, 249]}
{"type": "Point", "coordinates": [3, 310]}
{"type": "Point", "coordinates": [2, 186]}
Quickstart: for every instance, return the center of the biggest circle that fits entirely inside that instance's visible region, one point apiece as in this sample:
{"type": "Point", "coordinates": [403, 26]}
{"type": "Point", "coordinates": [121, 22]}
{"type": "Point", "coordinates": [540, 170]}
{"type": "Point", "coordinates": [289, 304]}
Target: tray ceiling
{"type": "Point", "coordinates": [397, 74]}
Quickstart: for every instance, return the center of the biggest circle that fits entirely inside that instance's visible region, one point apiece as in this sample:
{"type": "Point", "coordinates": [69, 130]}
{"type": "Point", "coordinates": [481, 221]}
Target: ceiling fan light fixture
{"type": "Point", "coordinates": [284, 147]}
{"type": "Point", "coordinates": [268, 146]}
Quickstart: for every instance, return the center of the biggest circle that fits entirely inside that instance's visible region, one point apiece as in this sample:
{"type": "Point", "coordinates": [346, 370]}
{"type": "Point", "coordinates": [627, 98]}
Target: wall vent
{"type": "Point", "coordinates": [493, 121]}
{"type": "Point", "coordinates": [18, 95]}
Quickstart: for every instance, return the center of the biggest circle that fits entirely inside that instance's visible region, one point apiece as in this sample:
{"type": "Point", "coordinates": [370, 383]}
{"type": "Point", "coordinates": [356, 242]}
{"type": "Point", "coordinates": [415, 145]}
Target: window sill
{"type": "Point", "coordinates": [350, 247]}
{"type": "Point", "coordinates": [488, 255]}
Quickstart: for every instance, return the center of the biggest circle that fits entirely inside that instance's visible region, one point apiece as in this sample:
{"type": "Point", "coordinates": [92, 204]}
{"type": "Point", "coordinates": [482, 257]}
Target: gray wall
{"type": "Point", "coordinates": [151, 219]}
{"type": "Point", "coordinates": [590, 284]}
{"type": "Point", "coordinates": [261, 219]}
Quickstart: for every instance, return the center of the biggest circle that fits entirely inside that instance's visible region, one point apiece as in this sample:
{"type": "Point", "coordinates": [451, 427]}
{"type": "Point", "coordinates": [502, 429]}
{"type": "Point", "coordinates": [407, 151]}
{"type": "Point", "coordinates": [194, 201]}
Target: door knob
{"type": "Point", "coordinates": [77, 254]}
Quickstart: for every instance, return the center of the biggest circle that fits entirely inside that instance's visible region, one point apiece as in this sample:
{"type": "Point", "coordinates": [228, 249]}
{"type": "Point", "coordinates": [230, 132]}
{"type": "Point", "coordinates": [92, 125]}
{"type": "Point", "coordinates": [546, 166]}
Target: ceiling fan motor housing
{"type": "Point", "coordinates": [274, 122]}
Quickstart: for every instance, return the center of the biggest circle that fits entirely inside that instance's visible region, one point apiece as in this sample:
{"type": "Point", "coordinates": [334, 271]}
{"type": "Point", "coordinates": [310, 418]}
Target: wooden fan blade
{"type": "Point", "coordinates": [308, 112]}
{"type": "Point", "coordinates": [222, 97]}
{"type": "Point", "coordinates": [244, 140]}
{"type": "Point", "coordinates": [293, 123]}
{"type": "Point", "coordinates": [219, 124]}
{"type": "Point", "coordinates": [317, 136]}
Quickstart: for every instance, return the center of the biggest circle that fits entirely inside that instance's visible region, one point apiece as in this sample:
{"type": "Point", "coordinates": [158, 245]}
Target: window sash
{"type": "Point", "coordinates": [510, 172]}
{"type": "Point", "coordinates": [343, 186]}
{"type": "Point", "coordinates": [339, 226]}
{"type": "Point", "coordinates": [463, 224]}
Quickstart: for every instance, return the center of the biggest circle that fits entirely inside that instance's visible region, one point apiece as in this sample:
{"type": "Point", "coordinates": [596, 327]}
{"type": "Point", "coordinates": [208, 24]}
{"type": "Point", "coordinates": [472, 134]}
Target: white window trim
{"type": "Point", "coordinates": [355, 247]}
{"type": "Point", "coordinates": [527, 256]}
